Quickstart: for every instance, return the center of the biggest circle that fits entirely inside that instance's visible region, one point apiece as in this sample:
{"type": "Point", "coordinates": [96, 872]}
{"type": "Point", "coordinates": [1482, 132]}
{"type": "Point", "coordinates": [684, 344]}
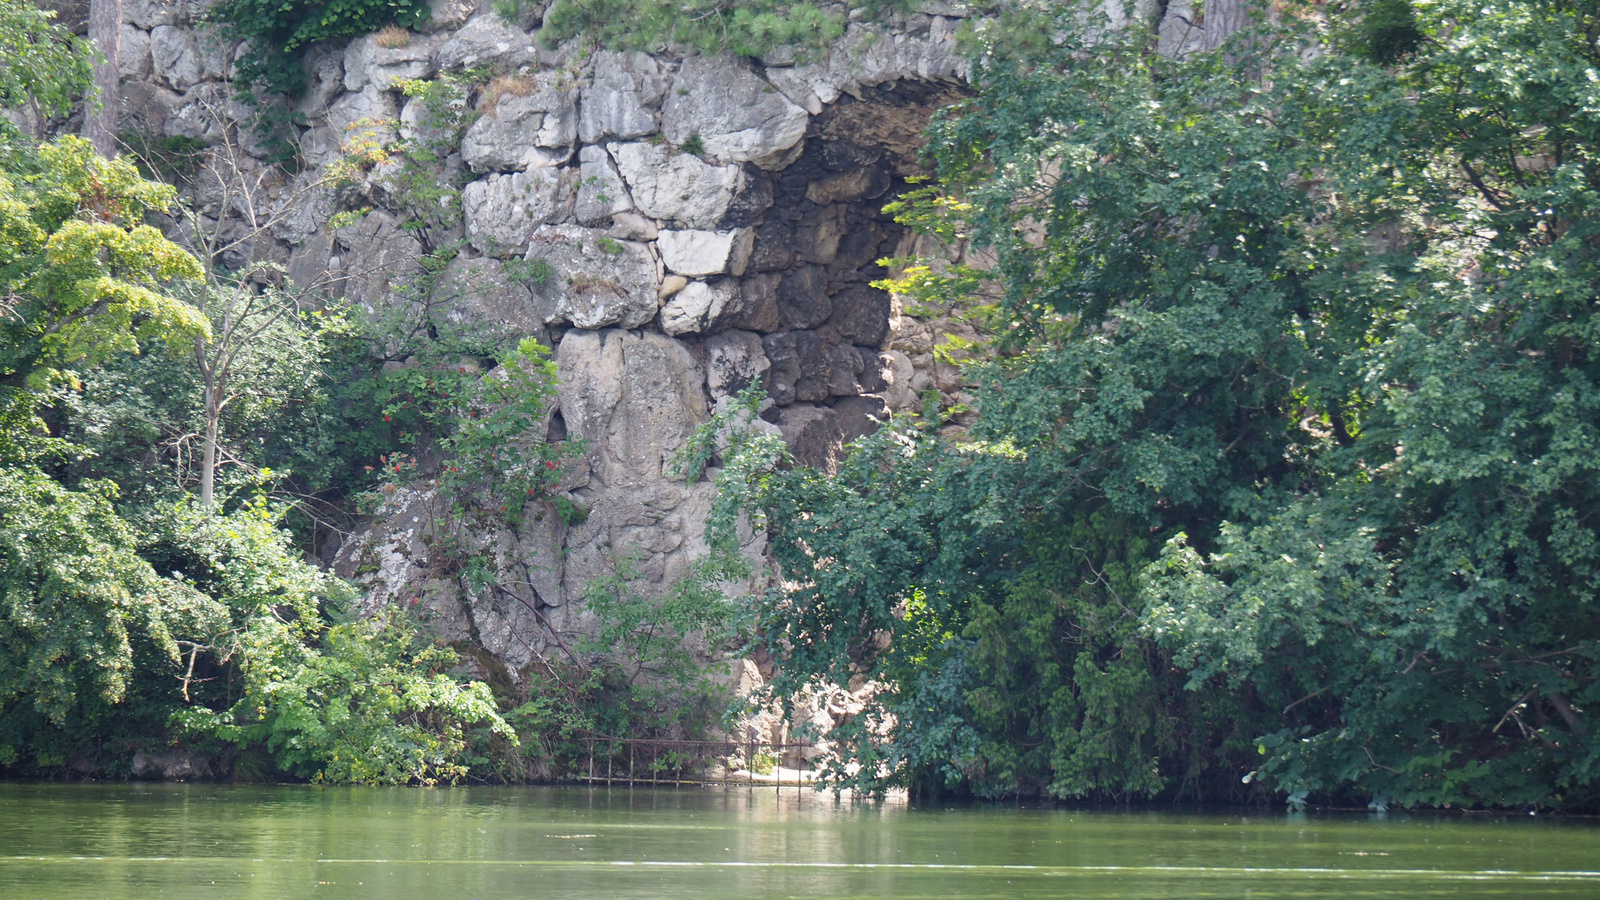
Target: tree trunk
{"type": "Point", "coordinates": [105, 32]}
{"type": "Point", "coordinates": [208, 442]}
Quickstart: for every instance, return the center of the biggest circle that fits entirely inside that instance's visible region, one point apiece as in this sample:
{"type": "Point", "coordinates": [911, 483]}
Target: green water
{"type": "Point", "coordinates": [187, 841]}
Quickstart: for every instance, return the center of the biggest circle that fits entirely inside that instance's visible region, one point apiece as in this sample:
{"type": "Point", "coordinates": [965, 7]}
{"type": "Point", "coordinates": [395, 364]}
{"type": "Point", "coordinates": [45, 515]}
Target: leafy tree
{"type": "Point", "coordinates": [281, 31]}
{"type": "Point", "coordinates": [47, 66]}
{"type": "Point", "coordinates": [313, 693]}
{"type": "Point", "coordinates": [76, 601]}
{"type": "Point", "coordinates": [144, 627]}
{"type": "Point", "coordinates": [1290, 398]}
{"type": "Point", "coordinates": [84, 277]}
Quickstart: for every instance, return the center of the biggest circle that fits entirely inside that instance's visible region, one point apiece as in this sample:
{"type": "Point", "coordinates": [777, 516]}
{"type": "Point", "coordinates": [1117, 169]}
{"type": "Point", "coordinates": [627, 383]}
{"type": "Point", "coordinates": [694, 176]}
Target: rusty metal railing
{"type": "Point", "coordinates": [682, 752]}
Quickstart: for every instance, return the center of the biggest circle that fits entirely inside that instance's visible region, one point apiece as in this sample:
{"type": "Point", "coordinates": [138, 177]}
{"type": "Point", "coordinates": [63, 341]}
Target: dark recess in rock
{"type": "Point", "coordinates": [820, 230]}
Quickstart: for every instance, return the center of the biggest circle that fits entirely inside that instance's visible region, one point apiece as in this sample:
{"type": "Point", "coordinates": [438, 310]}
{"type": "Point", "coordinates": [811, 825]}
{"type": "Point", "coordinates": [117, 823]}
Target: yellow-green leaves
{"type": "Point", "coordinates": [85, 275]}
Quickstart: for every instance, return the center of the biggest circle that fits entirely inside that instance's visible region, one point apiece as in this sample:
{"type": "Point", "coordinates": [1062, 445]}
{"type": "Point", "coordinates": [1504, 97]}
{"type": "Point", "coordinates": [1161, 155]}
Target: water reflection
{"type": "Point", "coordinates": [80, 841]}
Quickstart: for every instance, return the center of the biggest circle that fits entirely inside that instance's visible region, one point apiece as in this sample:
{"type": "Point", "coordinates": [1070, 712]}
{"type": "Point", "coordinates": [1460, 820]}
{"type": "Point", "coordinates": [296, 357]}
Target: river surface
{"type": "Point", "coordinates": [289, 843]}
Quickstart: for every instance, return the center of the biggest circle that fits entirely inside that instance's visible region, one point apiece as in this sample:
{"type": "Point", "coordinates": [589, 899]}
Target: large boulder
{"type": "Point", "coordinates": [134, 61]}
{"type": "Point", "coordinates": [802, 367]}
{"type": "Point", "coordinates": [145, 14]}
{"type": "Point", "coordinates": [634, 398]}
{"type": "Point", "coordinates": [868, 56]}
{"type": "Point", "coordinates": [733, 111]}
{"type": "Point", "coordinates": [324, 68]}
{"type": "Point", "coordinates": [677, 187]}
{"type": "Point", "coordinates": [525, 130]}
{"type": "Point", "coordinates": [183, 57]}
{"type": "Point", "coordinates": [370, 109]}
{"type": "Point", "coordinates": [734, 361]}
{"type": "Point", "coordinates": [861, 315]}
{"type": "Point", "coordinates": [623, 99]}
{"type": "Point", "coordinates": [695, 253]}
{"type": "Point", "coordinates": [812, 433]}
{"type": "Point", "coordinates": [368, 62]}
{"type": "Point", "coordinates": [444, 15]}
{"type": "Point", "coordinates": [502, 211]}
{"type": "Point", "coordinates": [585, 278]}
{"type": "Point", "coordinates": [147, 106]}
{"type": "Point", "coordinates": [206, 113]}
{"type": "Point", "coordinates": [803, 297]}
{"type": "Point", "coordinates": [487, 40]}
{"type": "Point", "coordinates": [859, 416]}
{"type": "Point", "coordinates": [405, 559]}
{"type": "Point", "coordinates": [701, 307]}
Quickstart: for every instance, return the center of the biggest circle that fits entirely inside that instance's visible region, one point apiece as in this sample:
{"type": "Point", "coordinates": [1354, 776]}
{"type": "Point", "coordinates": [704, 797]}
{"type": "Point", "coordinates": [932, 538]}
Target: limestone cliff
{"type": "Point", "coordinates": [702, 222]}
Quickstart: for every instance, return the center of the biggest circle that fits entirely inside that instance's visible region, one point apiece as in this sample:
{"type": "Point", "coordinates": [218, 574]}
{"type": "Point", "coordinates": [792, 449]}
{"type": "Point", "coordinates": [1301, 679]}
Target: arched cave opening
{"type": "Point", "coordinates": [820, 231]}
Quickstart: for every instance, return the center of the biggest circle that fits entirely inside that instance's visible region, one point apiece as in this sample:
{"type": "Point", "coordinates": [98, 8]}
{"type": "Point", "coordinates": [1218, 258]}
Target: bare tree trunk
{"type": "Point", "coordinates": [105, 31]}
{"type": "Point", "coordinates": [213, 413]}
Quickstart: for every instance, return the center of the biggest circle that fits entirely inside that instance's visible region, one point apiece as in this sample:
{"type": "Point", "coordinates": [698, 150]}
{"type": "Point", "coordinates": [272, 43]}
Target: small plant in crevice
{"type": "Point", "coordinates": [392, 37]}
{"type": "Point", "coordinates": [693, 145]}
{"type": "Point", "coordinates": [503, 86]}
{"type": "Point", "coordinates": [531, 270]}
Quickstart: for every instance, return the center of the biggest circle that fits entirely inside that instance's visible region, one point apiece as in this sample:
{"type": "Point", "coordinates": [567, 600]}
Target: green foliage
{"type": "Point", "coordinates": [645, 635]}
{"type": "Point", "coordinates": [83, 276]}
{"type": "Point", "coordinates": [642, 674]}
{"type": "Point", "coordinates": [530, 271]}
{"type": "Point", "coordinates": [710, 26]}
{"type": "Point", "coordinates": [166, 622]}
{"type": "Point", "coordinates": [361, 701]}
{"type": "Point", "coordinates": [46, 64]}
{"type": "Point", "coordinates": [76, 599]}
{"type": "Point", "coordinates": [167, 157]}
{"type": "Point", "coordinates": [416, 182]}
{"type": "Point", "coordinates": [489, 425]}
{"type": "Point", "coordinates": [1294, 403]}
{"type": "Point", "coordinates": [279, 31]}
{"type": "Point", "coordinates": [370, 703]}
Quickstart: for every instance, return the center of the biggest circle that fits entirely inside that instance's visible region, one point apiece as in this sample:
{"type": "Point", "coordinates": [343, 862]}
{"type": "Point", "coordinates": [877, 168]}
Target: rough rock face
{"type": "Point", "coordinates": [677, 187]}
{"type": "Point", "coordinates": [502, 211]}
{"type": "Point", "coordinates": [525, 131]}
{"type": "Point", "coordinates": [734, 112]}
{"type": "Point", "coordinates": [623, 100]}
{"type": "Point", "coordinates": [677, 228]}
{"type": "Point", "coordinates": [593, 281]}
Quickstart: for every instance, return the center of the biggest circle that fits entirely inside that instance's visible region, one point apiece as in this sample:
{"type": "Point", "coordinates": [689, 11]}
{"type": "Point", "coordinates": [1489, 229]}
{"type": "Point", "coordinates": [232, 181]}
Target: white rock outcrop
{"type": "Point", "coordinates": [677, 187]}
{"type": "Point", "coordinates": [696, 253]}
{"type": "Point", "coordinates": [735, 113]}
{"type": "Point", "coordinates": [590, 280]}
{"type": "Point", "coordinates": [525, 130]}
{"type": "Point", "coordinates": [700, 307]}
{"type": "Point", "coordinates": [624, 99]}
{"type": "Point", "coordinates": [502, 211]}
{"type": "Point", "coordinates": [487, 40]}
